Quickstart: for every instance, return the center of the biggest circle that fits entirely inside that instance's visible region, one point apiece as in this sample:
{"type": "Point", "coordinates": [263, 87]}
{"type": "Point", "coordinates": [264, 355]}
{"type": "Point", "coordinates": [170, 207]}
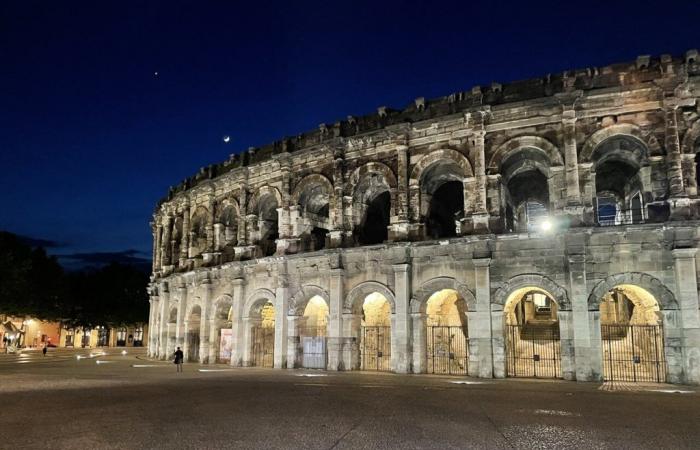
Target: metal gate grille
{"type": "Point", "coordinates": [633, 353]}
{"type": "Point", "coordinates": [447, 350]}
{"type": "Point", "coordinates": [376, 348]}
{"type": "Point", "coordinates": [533, 351]}
{"type": "Point", "coordinates": [263, 347]}
{"type": "Point", "coordinates": [313, 347]}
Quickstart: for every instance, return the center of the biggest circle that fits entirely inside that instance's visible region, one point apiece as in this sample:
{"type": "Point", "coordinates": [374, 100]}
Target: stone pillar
{"type": "Point", "coordinates": [566, 342]}
{"type": "Point", "coordinates": [165, 242]}
{"type": "Point", "coordinates": [335, 323]}
{"type": "Point", "coordinates": [240, 342]}
{"type": "Point", "coordinates": [157, 253]}
{"type": "Point", "coordinates": [573, 191]}
{"type": "Point", "coordinates": [588, 356]}
{"type": "Point", "coordinates": [163, 331]}
{"type": "Point", "coordinates": [402, 179]}
{"type": "Point", "coordinates": [674, 173]}
{"type": "Point", "coordinates": [293, 342]}
{"type": "Point", "coordinates": [481, 337]}
{"type": "Point", "coordinates": [213, 337]}
{"type": "Point", "coordinates": [185, 244]}
{"type": "Point", "coordinates": [401, 355]}
{"type": "Point", "coordinates": [181, 327]}
{"type": "Point", "coordinates": [420, 343]}
{"type": "Point", "coordinates": [687, 297]}
{"type": "Point", "coordinates": [352, 326]}
{"type": "Point", "coordinates": [479, 171]}
{"type": "Point", "coordinates": [248, 324]}
{"type": "Point", "coordinates": [152, 337]}
{"type": "Point", "coordinates": [219, 237]}
{"type": "Point", "coordinates": [243, 206]}
{"type": "Point", "coordinates": [204, 322]}
{"type": "Point", "coordinates": [281, 309]}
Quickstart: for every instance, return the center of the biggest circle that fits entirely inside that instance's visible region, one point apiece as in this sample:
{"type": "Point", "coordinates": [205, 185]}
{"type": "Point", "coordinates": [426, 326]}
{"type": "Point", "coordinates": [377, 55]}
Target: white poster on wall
{"type": "Point", "coordinates": [226, 344]}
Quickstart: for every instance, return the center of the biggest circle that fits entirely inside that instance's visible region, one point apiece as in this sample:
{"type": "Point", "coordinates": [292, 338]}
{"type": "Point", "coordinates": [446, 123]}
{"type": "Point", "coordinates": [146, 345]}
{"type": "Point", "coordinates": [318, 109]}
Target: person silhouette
{"type": "Point", "coordinates": [179, 356]}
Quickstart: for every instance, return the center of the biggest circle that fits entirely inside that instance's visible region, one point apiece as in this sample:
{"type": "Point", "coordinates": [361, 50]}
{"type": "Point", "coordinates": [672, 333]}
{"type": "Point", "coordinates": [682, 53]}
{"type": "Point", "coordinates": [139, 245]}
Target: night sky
{"type": "Point", "coordinates": [91, 137]}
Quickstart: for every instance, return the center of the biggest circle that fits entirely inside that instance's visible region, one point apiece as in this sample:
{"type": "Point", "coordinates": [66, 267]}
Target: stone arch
{"type": "Point", "coordinates": [662, 294]}
{"type": "Point", "coordinates": [224, 204]}
{"type": "Point", "coordinates": [298, 302]}
{"type": "Point", "coordinates": [421, 296]}
{"type": "Point", "coordinates": [356, 296]}
{"type": "Point", "coordinates": [373, 167]}
{"type": "Point", "coordinates": [557, 292]}
{"type": "Point", "coordinates": [690, 138]}
{"type": "Point", "coordinates": [222, 300]}
{"type": "Point", "coordinates": [445, 154]}
{"type": "Point", "coordinates": [257, 300]}
{"type": "Point", "coordinates": [260, 193]}
{"type": "Point", "coordinates": [516, 144]}
{"type": "Point", "coordinates": [621, 130]}
{"type": "Point", "coordinates": [310, 181]}
{"type": "Point", "coordinates": [195, 302]}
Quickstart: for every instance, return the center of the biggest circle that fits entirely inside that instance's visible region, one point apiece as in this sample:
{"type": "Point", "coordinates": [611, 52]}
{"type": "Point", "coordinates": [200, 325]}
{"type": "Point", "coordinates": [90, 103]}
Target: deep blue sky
{"type": "Point", "coordinates": [90, 138]}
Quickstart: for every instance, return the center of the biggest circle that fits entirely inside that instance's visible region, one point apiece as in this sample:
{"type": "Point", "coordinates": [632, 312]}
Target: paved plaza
{"type": "Point", "coordinates": [127, 401]}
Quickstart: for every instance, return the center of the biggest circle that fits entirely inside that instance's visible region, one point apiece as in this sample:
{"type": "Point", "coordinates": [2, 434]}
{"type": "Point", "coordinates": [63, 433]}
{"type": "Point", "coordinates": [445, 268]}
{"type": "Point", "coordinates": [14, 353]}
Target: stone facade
{"type": "Point", "coordinates": [574, 185]}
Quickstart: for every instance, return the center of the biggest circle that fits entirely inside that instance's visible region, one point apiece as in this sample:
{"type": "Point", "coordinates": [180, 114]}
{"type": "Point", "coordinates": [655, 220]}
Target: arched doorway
{"type": "Point", "coordinates": [313, 332]}
{"type": "Point", "coordinates": [194, 322]}
{"type": "Point", "coordinates": [223, 332]}
{"type": "Point", "coordinates": [533, 347]}
{"type": "Point", "coordinates": [632, 336]}
{"type": "Point", "coordinates": [375, 336]}
{"type": "Point", "coordinates": [447, 334]}
{"type": "Point", "coordinates": [263, 336]}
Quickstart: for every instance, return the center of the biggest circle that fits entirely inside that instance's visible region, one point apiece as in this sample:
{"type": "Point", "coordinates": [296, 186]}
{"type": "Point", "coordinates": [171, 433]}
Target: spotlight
{"type": "Point", "coordinates": [546, 225]}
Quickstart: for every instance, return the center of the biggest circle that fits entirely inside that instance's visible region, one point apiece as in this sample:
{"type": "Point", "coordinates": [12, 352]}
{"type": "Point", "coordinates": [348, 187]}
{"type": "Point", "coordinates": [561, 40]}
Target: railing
{"type": "Point", "coordinates": [621, 217]}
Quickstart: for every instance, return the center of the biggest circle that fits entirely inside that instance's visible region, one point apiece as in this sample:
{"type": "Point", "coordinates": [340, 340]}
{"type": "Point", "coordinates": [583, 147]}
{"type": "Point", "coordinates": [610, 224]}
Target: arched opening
{"type": "Point", "coordinates": [375, 334]}
{"type": "Point", "coordinates": [442, 198]}
{"type": "Point", "coordinates": [198, 232]}
{"type": "Point", "coordinates": [263, 335]}
{"type": "Point", "coordinates": [194, 322]}
{"type": "Point", "coordinates": [314, 222]}
{"type": "Point", "coordinates": [533, 347]}
{"type": "Point", "coordinates": [525, 176]}
{"type": "Point", "coordinates": [227, 231]}
{"type": "Point", "coordinates": [313, 332]}
{"type": "Point", "coordinates": [372, 210]}
{"type": "Point", "coordinates": [447, 333]}
{"type": "Point", "coordinates": [267, 225]}
{"type": "Point", "coordinates": [632, 336]}
{"type": "Point", "coordinates": [223, 323]}
{"type": "Point", "coordinates": [176, 242]}
{"type": "Point", "coordinates": [618, 182]}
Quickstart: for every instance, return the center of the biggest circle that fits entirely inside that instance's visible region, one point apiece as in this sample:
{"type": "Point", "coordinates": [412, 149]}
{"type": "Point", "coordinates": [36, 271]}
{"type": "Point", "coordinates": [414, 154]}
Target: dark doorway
{"type": "Point", "coordinates": [374, 227]}
{"type": "Point", "coordinates": [446, 203]}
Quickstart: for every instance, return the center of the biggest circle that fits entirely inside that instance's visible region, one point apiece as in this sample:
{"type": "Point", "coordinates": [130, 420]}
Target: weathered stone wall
{"type": "Point", "coordinates": [353, 209]}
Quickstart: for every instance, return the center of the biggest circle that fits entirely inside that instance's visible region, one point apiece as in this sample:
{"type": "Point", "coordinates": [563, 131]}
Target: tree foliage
{"type": "Point", "coordinates": [34, 284]}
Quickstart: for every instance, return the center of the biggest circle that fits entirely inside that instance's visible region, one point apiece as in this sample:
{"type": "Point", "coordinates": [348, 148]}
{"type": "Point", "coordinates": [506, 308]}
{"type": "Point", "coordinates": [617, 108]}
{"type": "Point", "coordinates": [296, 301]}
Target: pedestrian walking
{"type": "Point", "coordinates": [179, 356]}
{"type": "Point", "coordinates": [44, 350]}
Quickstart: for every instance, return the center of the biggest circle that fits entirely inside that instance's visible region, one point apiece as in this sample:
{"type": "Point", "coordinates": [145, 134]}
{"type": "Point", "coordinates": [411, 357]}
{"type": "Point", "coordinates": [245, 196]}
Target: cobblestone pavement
{"type": "Point", "coordinates": [126, 401]}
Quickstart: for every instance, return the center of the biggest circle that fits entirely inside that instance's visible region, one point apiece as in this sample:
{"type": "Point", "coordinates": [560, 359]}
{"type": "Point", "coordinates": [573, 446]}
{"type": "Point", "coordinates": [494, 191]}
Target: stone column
{"type": "Point", "coordinates": [242, 238]}
{"type": "Point", "coordinates": [213, 337]}
{"type": "Point", "coordinates": [402, 179]}
{"type": "Point", "coordinates": [352, 324]}
{"type": "Point", "coordinates": [204, 322]}
{"type": "Point", "coordinates": [566, 342]}
{"type": "Point", "coordinates": [401, 356]}
{"type": "Point", "coordinates": [181, 327]}
{"type": "Point", "coordinates": [281, 309]}
{"type": "Point", "coordinates": [293, 342]}
{"type": "Point", "coordinates": [210, 226]}
{"type": "Point", "coordinates": [337, 215]}
{"type": "Point", "coordinates": [219, 237]}
{"type": "Point", "coordinates": [248, 324]}
{"type": "Point", "coordinates": [687, 297]}
{"type": "Point", "coordinates": [165, 243]}
{"type": "Point", "coordinates": [481, 337]}
{"type": "Point", "coordinates": [674, 172]}
{"type": "Point", "coordinates": [185, 244]}
{"type": "Point", "coordinates": [335, 322]}
{"type": "Point", "coordinates": [479, 171]}
{"type": "Point", "coordinates": [163, 331]}
{"type": "Point", "coordinates": [573, 191]}
{"type": "Point", "coordinates": [240, 342]}
{"type": "Point", "coordinates": [152, 308]}
{"type": "Point", "coordinates": [587, 350]}
{"type": "Point", "coordinates": [157, 250]}
{"type": "Point", "coordinates": [420, 343]}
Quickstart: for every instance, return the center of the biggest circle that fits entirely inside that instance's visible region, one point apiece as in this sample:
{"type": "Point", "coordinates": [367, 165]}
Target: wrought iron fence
{"type": "Point", "coordinates": [633, 353]}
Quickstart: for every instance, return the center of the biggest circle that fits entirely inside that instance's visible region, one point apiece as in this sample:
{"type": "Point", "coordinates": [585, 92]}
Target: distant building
{"type": "Point", "coordinates": [124, 336]}
{"type": "Point", "coordinates": [27, 332]}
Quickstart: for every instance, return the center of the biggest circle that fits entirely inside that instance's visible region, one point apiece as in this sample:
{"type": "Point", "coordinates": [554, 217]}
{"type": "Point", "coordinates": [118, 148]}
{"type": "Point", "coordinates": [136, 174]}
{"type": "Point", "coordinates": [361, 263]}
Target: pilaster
{"type": "Point", "coordinates": [401, 355]}
{"type": "Point", "coordinates": [481, 359]}
{"type": "Point", "coordinates": [687, 297]}
{"type": "Point", "coordinates": [239, 331]}
{"type": "Point", "coordinates": [335, 323]}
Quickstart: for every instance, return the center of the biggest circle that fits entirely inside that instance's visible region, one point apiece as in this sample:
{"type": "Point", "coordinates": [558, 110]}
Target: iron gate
{"type": "Point", "coordinates": [312, 342]}
{"type": "Point", "coordinates": [263, 347]}
{"type": "Point", "coordinates": [633, 353]}
{"type": "Point", "coordinates": [533, 351]}
{"type": "Point", "coordinates": [447, 350]}
{"type": "Point", "coordinates": [376, 348]}
{"type": "Point", "coordinates": [193, 346]}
